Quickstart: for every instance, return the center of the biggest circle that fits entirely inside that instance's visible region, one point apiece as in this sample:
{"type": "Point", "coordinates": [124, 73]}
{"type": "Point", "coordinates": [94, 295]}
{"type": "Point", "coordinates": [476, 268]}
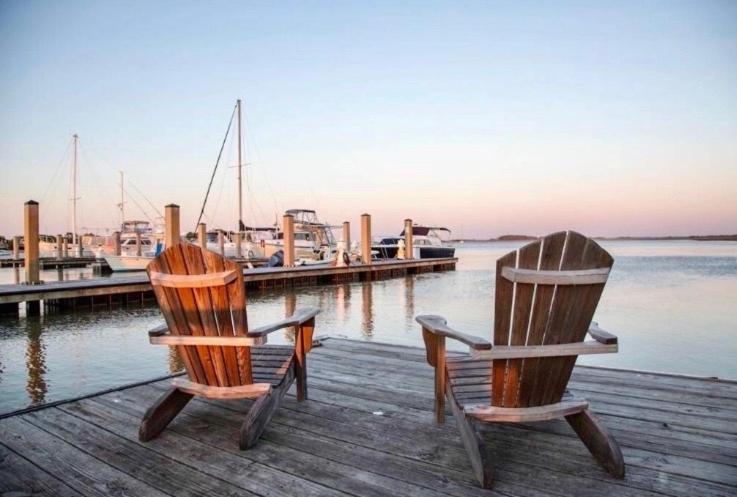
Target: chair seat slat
{"type": "Point", "coordinates": [251, 391]}
{"type": "Point", "coordinates": [485, 412]}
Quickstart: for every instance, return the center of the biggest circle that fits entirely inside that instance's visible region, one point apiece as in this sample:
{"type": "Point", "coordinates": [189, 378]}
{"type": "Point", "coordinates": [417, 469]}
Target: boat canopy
{"type": "Point", "coordinates": [425, 230]}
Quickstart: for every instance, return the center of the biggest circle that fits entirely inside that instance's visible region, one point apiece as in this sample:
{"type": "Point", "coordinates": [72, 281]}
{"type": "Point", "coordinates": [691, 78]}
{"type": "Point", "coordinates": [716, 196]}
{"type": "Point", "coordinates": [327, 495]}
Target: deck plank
{"type": "Point", "coordinates": [368, 430]}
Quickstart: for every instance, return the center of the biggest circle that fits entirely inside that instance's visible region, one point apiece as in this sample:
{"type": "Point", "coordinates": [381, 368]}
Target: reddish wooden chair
{"type": "Point", "coordinates": [203, 300]}
{"type": "Point", "coordinates": [546, 295]}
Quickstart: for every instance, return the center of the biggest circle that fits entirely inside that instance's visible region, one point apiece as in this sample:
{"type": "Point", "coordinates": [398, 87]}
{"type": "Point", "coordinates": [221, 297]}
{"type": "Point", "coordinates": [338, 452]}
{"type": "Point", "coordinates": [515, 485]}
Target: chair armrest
{"type": "Point", "coordinates": [161, 336]}
{"type": "Point", "coordinates": [600, 335]}
{"type": "Point", "coordinates": [160, 330]}
{"type": "Point", "coordinates": [299, 318]}
{"type": "Point", "coordinates": [438, 326]}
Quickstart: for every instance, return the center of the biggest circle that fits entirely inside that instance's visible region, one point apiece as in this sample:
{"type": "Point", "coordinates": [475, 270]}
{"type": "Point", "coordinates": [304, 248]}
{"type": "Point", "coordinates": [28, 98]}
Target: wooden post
{"type": "Point", "coordinates": [116, 242]}
{"type": "Point", "coordinates": [288, 228]}
{"type": "Point", "coordinates": [366, 238]}
{"type": "Point", "coordinates": [30, 251]}
{"type": "Point", "coordinates": [138, 244]}
{"type": "Point", "coordinates": [80, 248]}
{"type": "Point", "coordinates": [347, 236]}
{"type": "Point", "coordinates": [202, 235]}
{"type": "Point", "coordinates": [171, 222]}
{"type": "Point", "coordinates": [239, 244]}
{"type": "Point", "coordinates": [221, 242]}
{"type": "Point", "coordinates": [408, 241]}
{"type": "Point", "coordinates": [59, 247]}
{"type": "Point", "coordinates": [30, 241]}
{"type": "Point", "coordinates": [16, 247]}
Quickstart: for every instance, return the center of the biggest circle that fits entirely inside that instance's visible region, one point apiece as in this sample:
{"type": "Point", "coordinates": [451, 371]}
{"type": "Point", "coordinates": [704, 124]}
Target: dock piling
{"type": "Point", "coordinates": [408, 240]}
{"type": "Point", "coordinates": [288, 225]}
{"type": "Point", "coordinates": [366, 238]}
{"type": "Point", "coordinates": [221, 242]}
{"type": "Point", "coordinates": [30, 251]}
{"type": "Point", "coordinates": [16, 247]}
{"type": "Point", "coordinates": [138, 244]}
{"type": "Point", "coordinates": [171, 221]}
{"type": "Point", "coordinates": [59, 248]}
{"type": "Point", "coordinates": [347, 236]}
{"type": "Point", "coordinates": [65, 247]}
{"type": "Point", "coordinates": [116, 242]}
{"type": "Point", "coordinates": [80, 247]}
{"type": "Point", "coordinates": [239, 244]}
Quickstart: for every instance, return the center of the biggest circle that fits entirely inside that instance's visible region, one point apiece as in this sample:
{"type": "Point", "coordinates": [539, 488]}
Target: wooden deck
{"type": "Point", "coordinates": [368, 430]}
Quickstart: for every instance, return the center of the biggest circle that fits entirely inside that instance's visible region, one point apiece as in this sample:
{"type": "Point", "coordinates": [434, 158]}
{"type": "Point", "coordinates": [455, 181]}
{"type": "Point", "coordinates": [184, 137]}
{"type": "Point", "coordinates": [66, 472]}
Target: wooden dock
{"type": "Point", "coordinates": [51, 262]}
{"type": "Point", "coordinates": [119, 290]}
{"type": "Point", "coordinates": [368, 430]}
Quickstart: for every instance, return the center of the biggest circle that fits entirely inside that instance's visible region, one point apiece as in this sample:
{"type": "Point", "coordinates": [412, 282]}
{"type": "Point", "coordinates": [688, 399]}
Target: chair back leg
{"type": "Point", "coordinates": [600, 443]}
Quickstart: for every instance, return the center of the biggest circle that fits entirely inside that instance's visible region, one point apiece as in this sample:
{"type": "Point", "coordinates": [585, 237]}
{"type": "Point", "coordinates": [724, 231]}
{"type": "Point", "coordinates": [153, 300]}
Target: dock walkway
{"type": "Point", "coordinates": [137, 285]}
{"type": "Point", "coordinates": [368, 430]}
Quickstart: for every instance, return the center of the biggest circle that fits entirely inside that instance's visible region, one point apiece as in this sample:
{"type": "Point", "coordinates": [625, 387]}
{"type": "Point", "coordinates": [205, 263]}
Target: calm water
{"type": "Point", "coordinates": [672, 304]}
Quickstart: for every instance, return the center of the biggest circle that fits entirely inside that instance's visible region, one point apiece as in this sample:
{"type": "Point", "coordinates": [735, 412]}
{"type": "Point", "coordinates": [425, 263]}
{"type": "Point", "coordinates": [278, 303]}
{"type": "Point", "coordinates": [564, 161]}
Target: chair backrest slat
{"type": "Point", "coordinates": [196, 266]}
{"type": "Point", "coordinates": [213, 305]}
{"type": "Point", "coordinates": [547, 293]}
{"type": "Point", "coordinates": [574, 277]}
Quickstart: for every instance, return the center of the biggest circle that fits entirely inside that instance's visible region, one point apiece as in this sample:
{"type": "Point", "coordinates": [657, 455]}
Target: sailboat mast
{"type": "Point", "coordinates": [74, 190]}
{"type": "Point", "coordinates": [240, 167]}
{"type": "Point", "coordinates": [122, 202]}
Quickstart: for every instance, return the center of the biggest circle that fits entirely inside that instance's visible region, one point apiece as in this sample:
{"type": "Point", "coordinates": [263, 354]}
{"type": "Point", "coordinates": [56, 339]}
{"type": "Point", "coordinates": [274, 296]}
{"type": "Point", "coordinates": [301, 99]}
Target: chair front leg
{"type": "Point", "coordinates": [435, 348]}
{"type": "Point", "coordinates": [164, 410]}
{"type": "Point", "coordinates": [303, 344]}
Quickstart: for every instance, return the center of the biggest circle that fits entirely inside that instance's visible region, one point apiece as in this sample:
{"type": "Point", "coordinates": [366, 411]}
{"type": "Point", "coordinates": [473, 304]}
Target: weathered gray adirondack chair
{"type": "Point", "coordinates": [546, 295]}
{"type": "Point", "coordinates": [203, 300]}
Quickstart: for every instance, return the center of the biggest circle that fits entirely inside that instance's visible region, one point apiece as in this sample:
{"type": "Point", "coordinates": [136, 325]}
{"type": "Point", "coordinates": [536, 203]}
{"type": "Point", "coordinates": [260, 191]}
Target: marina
{"type": "Point", "coordinates": [368, 249]}
{"type": "Point", "coordinates": [368, 429]}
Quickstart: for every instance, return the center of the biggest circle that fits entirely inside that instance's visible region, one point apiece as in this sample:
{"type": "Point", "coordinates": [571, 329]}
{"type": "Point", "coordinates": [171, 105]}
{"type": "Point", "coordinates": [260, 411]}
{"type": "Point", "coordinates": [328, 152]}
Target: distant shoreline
{"type": "Point", "coordinates": [698, 238]}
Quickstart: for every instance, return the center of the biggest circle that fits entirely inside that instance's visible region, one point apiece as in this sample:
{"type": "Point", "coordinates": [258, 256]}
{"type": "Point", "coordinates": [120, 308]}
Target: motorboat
{"type": "Point", "coordinates": [47, 245]}
{"type": "Point", "coordinates": [429, 242]}
{"type": "Point", "coordinates": [313, 239]}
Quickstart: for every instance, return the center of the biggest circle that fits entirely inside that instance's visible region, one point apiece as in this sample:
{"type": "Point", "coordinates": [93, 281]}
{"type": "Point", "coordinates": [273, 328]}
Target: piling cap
{"type": "Point", "coordinates": [31, 202]}
{"type": "Point", "coordinates": [172, 205]}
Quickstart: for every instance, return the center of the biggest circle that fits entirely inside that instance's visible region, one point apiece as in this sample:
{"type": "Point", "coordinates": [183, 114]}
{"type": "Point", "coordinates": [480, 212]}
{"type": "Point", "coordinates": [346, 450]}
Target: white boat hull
{"type": "Point", "coordinates": [128, 262]}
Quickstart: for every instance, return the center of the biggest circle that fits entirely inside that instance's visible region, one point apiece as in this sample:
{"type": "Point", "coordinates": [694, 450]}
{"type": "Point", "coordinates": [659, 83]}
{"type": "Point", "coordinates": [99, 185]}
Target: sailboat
{"type": "Point", "coordinates": [252, 237]}
{"type": "Point", "coordinates": [139, 242]}
{"type": "Point", "coordinates": [47, 245]}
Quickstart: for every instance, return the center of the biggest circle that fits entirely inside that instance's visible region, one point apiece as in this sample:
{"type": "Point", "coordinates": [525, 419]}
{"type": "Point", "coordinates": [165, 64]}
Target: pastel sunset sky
{"type": "Point", "coordinates": [611, 118]}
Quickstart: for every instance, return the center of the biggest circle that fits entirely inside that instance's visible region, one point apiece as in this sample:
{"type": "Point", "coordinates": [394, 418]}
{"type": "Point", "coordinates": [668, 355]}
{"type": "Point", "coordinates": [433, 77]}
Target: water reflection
{"type": "Point", "coordinates": [409, 298]}
{"type": "Point", "coordinates": [367, 309]}
{"type": "Point", "coordinates": [35, 362]}
{"type": "Point", "coordinates": [342, 302]}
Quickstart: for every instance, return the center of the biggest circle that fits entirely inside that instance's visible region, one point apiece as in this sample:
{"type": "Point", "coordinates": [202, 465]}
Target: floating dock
{"type": "Point", "coordinates": [368, 430]}
{"type": "Point", "coordinates": [121, 290]}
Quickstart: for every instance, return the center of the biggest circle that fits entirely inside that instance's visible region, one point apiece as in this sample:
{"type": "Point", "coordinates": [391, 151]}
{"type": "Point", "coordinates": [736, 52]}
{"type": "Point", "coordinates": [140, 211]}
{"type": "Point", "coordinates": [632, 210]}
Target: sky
{"type": "Point", "coordinates": [610, 118]}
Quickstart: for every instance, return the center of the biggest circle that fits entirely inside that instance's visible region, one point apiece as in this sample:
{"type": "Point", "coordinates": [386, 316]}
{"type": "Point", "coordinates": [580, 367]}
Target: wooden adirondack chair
{"type": "Point", "coordinates": [546, 295]}
{"type": "Point", "coordinates": [203, 300]}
